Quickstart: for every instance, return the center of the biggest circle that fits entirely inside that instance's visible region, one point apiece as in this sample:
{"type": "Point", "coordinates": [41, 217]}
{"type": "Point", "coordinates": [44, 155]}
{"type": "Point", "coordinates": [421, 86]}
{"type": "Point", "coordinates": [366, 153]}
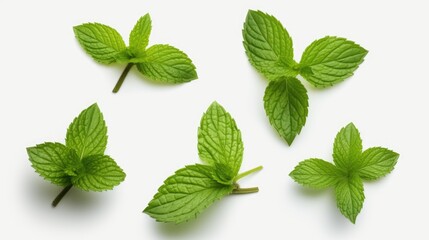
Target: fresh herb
{"type": "Point", "coordinates": [81, 161]}
{"type": "Point", "coordinates": [162, 63]}
{"type": "Point", "coordinates": [325, 62]}
{"type": "Point", "coordinates": [352, 166]}
{"type": "Point", "coordinates": [195, 187]}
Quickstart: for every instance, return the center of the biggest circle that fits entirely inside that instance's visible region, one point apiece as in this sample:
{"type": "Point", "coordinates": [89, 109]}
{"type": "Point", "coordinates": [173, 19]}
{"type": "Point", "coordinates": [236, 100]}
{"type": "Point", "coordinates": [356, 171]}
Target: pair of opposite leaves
{"type": "Point", "coordinates": [268, 46]}
{"type": "Point", "coordinates": [81, 163]}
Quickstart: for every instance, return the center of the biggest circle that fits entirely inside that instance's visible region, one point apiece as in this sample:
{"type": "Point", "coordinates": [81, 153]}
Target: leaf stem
{"type": "Point", "coordinates": [245, 190]}
{"type": "Point", "coordinates": [122, 77]}
{"type": "Point", "coordinates": [61, 195]}
{"type": "Point", "coordinates": [243, 174]}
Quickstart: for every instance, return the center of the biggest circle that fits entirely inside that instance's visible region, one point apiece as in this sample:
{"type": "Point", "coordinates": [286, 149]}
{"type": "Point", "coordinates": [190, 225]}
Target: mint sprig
{"type": "Point", "coordinates": [160, 62]}
{"type": "Point", "coordinates": [352, 166]}
{"type": "Point", "coordinates": [81, 161]}
{"type": "Point", "coordinates": [325, 62]}
{"type": "Point", "coordinates": [195, 187]}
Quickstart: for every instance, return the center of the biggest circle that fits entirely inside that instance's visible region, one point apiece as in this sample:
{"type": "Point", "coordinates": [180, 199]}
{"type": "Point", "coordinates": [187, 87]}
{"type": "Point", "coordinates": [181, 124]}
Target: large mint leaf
{"type": "Point", "coordinates": [330, 60]}
{"type": "Point", "coordinates": [54, 162]}
{"type": "Point", "coordinates": [99, 173]}
{"type": "Point", "coordinates": [350, 196]}
{"type": "Point", "coordinates": [268, 46]}
{"type": "Point", "coordinates": [185, 194]}
{"type": "Point", "coordinates": [164, 63]}
{"type": "Point", "coordinates": [316, 173]}
{"type": "Point", "coordinates": [102, 42]}
{"type": "Point", "coordinates": [87, 134]}
{"type": "Point", "coordinates": [286, 105]}
{"type": "Point", "coordinates": [376, 162]}
{"type": "Point", "coordinates": [347, 148]}
{"type": "Point", "coordinates": [219, 141]}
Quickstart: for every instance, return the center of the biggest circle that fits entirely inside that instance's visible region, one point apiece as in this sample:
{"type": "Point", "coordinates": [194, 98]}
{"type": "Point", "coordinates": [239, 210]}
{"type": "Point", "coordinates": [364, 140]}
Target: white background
{"type": "Point", "coordinates": [47, 79]}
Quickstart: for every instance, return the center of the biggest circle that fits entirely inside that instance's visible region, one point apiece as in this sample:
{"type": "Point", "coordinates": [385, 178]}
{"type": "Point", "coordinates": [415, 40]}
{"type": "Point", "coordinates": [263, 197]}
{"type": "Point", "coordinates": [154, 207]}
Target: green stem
{"type": "Point", "coordinates": [122, 77]}
{"type": "Point", "coordinates": [61, 195]}
{"type": "Point", "coordinates": [243, 174]}
{"type": "Point", "coordinates": [245, 190]}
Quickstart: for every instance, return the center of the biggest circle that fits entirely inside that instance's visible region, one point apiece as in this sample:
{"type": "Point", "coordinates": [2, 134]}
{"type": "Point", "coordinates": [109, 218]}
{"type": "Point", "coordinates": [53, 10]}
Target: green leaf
{"type": "Point", "coordinates": [347, 148]}
{"type": "Point", "coordinates": [350, 196]}
{"type": "Point", "coordinates": [268, 46]}
{"type": "Point", "coordinates": [330, 60]}
{"type": "Point", "coordinates": [167, 64]}
{"type": "Point", "coordinates": [316, 173]}
{"type": "Point", "coordinates": [99, 173]}
{"type": "Point", "coordinates": [223, 174]}
{"type": "Point", "coordinates": [139, 36]}
{"type": "Point", "coordinates": [185, 194]}
{"type": "Point", "coordinates": [286, 105]}
{"type": "Point", "coordinates": [87, 134]}
{"type": "Point", "coordinates": [376, 162]}
{"type": "Point", "coordinates": [102, 42]}
{"type": "Point", "coordinates": [219, 141]}
{"type": "Point", "coordinates": [54, 162]}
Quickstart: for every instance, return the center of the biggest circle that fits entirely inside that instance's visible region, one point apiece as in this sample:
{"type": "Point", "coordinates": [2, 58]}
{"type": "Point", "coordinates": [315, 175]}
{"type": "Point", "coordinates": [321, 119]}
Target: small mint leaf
{"type": "Point", "coordinates": [139, 36]}
{"type": "Point", "coordinates": [222, 174]}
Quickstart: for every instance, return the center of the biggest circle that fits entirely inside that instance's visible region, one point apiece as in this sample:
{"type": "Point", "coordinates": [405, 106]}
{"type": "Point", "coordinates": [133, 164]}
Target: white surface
{"type": "Point", "coordinates": [47, 79]}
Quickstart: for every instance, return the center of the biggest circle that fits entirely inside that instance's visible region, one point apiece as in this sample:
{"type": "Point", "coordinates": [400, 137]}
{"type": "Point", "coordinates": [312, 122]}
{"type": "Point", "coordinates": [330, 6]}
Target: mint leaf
{"type": "Point", "coordinates": [347, 147]}
{"type": "Point", "coordinates": [80, 162]}
{"type": "Point", "coordinates": [139, 36]}
{"type": "Point", "coordinates": [87, 134]}
{"type": "Point", "coordinates": [223, 174]}
{"type": "Point", "coordinates": [54, 162]}
{"type": "Point", "coordinates": [324, 63]}
{"type": "Point", "coordinates": [350, 197]}
{"type": "Point", "coordinates": [376, 162]}
{"type": "Point", "coordinates": [351, 167]}
{"type": "Point", "coordinates": [286, 105]}
{"type": "Point", "coordinates": [268, 46]}
{"type": "Point", "coordinates": [102, 42]}
{"type": "Point", "coordinates": [219, 141]}
{"type": "Point", "coordinates": [331, 60]}
{"type": "Point", "coordinates": [167, 64]}
{"type": "Point", "coordinates": [162, 63]}
{"type": "Point", "coordinates": [316, 173]}
{"type": "Point", "coordinates": [185, 194]}
{"type": "Point", "coordinates": [99, 173]}
{"type": "Point", "coordinates": [193, 188]}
